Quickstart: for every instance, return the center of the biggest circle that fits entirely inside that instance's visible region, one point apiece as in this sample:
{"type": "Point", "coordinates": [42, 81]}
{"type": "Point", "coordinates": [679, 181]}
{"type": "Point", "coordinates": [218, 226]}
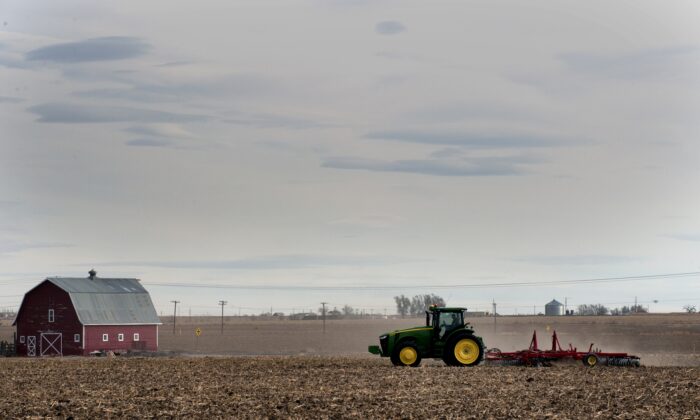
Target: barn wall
{"type": "Point", "coordinates": [33, 319]}
{"type": "Point", "coordinates": [148, 337]}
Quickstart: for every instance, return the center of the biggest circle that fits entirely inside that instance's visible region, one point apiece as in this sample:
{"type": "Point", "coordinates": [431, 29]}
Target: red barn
{"type": "Point", "coordinates": [76, 316]}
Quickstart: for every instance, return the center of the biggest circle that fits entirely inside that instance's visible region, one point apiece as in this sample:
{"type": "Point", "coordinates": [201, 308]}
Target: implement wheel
{"type": "Point", "coordinates": [590, 360]}
{"type": "Point", "coordinates": [463, 350]}
{"type": "Point", "coordinates": [406, 354]}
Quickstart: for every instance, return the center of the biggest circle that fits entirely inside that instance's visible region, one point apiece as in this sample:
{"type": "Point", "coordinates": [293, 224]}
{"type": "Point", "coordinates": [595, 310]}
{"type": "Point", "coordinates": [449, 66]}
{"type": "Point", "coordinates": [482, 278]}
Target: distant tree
{"type": "Point", "coordinates": [595, 309]}
{"type": "Point", "coordinates": [348, 310]}
{"type": "Point", "coordinates": [420, 303]}
{"type": "Point", "coordinates": [638, 309]}
{"type": "Point", "coordinates": [691, 309]}
{"type": "Point", "coordinates": [403, 305]}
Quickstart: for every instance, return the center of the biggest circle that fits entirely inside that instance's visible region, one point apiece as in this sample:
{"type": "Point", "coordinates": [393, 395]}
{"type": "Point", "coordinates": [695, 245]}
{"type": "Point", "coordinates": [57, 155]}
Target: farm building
{"type": "Point", "coordinates": [76, 316]}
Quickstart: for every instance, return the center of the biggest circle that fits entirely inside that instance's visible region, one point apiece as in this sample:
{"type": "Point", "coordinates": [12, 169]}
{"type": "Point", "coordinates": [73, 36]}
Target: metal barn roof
{"type": "Point", "coordinates": [103, 301]}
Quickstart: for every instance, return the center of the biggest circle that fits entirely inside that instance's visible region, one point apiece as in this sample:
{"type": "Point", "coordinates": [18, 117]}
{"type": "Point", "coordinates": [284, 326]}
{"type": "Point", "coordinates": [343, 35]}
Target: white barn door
{"type": "Point", "coordinates": [51, 344]}
{"type": "Point", "coordinates": [31, 345]}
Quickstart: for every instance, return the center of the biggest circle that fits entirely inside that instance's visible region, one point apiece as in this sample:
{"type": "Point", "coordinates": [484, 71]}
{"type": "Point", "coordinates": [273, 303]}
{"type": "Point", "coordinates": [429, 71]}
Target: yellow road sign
{"type": "Point", "coordinates": [198, 332]}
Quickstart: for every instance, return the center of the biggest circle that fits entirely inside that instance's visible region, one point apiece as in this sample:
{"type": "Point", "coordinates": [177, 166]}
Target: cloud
{"type": "Point", "coordinates": [161, 130]}
{"type": "Point", "coordinates": [70, 113]}
{"type": "Point", "coordinates": [10, 246]}
{"type": "Point", "coordinates": [693, 237]}
{"type": "Point", "coordinates": [389, 27]}
{"type": "Point", "coordinates": [151, 142]}
{"type": "Point", "coordinates": [468, 140]}
{"type": "Point", "coordinates": [95, 49]}
{"type": "Point", "coordinates": [594, 259]}
{"type": "Point", "coordinates": [277, 121]}
{"type": "Point", "coordinates": [265, 263]}
{"type": "Point", "coordinates": [475, 166]}
{"type": "Point", "coordinates": [232, 85]}
{"type": "Point", "coordinates": [10, 100]}
{"type": "Point", "coordinates": [652, 62]}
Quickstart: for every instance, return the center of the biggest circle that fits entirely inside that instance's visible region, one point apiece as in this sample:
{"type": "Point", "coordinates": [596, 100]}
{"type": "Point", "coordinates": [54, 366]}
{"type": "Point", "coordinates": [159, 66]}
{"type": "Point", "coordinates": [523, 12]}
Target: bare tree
{"type": "Point", "coordinates": [691, 309]}
{"type": "Point", "coordinates": [403, 305]}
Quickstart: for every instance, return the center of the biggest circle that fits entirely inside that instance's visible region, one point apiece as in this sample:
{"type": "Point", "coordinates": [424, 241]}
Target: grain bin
{"type": "Point", "coordinates": [554, 308]}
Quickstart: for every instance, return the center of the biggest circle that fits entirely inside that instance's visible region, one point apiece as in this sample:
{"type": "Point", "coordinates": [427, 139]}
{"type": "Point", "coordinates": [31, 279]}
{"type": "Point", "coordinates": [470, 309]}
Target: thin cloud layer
{"type": "Point", "coordinates": [78, 114]}
{"type": "Point", "coordinates": [95, 49]}
{"type": "Point", "coordinates": [595, 259]}
{"type": "Point", "coordinates": [389, 27]}
{"type": "Point", "coordinates": [470, 140]}
{"type": "Point", "coordinates": [653, 62]}
{"type": "Point", "coordinates": [266, 263]}
{"type": "Point", "coordinates": [147, 142]}
{"type": "Point", "coordinates": [482, 166]}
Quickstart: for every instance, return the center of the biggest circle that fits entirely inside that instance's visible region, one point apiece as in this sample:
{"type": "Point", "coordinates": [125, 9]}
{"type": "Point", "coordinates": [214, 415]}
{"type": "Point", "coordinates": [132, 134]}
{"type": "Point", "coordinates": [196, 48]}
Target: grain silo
{"type": "Point", "coordinates": [554, 308]}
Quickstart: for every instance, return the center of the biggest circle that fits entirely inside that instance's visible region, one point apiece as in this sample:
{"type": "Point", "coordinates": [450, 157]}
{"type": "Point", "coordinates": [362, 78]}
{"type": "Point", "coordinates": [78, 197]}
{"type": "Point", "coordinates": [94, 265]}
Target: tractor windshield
{"type": "Point", "coordinates": [449, 321]}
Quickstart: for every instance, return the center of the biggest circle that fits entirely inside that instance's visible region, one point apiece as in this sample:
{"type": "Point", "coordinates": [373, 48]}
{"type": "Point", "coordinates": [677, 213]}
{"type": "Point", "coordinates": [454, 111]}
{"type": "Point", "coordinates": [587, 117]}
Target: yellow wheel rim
{"type": "Point", "coordinates": [591, 360]}
{"type": "Point", "coordinates": [408, 355]}
{"type": "Point", "coordinates": [467, 351]}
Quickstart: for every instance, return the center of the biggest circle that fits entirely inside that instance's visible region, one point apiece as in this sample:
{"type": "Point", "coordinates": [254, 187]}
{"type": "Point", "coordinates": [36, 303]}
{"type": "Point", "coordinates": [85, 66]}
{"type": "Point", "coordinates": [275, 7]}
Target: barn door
{"type": "Point", "coordinates": [31, 345]}
{"type": "Point", "coordinates": [51, 344]}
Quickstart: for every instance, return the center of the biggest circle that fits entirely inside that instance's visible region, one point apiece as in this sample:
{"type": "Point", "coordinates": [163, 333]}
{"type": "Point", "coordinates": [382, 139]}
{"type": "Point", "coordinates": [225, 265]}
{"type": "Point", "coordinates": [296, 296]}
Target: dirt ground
{"type": "Point", "coordinates": [661, 340]}
{"type": "Point", "coordinates": [282, 368]}
{"type": "Point", "coordinates": [336, 386]}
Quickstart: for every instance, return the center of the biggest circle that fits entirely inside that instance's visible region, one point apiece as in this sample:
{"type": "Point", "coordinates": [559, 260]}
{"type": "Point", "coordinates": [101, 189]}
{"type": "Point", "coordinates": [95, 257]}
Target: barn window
{"type": "Point", "coordinates": [136, 336]}
{"type": "Point", "coordinates": [76, 338]}
{"type": "Point", "coordinates": [21, 339]}
{"type": "Point", "coordinates": [50, 315]}
{"type": "Point", "coordinates": [120, 337]}
{"type": "Point", "coordinates": [105, 337]}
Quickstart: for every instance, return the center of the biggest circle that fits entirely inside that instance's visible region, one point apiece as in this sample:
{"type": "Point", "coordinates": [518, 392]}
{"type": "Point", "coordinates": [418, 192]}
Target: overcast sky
{"type": "Point", "coordinates": [350, 143]}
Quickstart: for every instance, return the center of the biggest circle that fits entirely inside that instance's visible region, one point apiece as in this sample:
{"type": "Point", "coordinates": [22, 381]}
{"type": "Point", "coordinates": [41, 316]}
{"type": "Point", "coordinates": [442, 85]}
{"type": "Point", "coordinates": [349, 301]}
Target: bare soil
{"type": "Point", "coordinates": [661, 340]}
{"type": "Point", "coordinates": [324, 387]}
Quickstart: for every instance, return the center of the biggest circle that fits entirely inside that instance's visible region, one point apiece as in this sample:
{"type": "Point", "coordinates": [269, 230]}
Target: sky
{"type": "Point", "coordinates": [277, 154]}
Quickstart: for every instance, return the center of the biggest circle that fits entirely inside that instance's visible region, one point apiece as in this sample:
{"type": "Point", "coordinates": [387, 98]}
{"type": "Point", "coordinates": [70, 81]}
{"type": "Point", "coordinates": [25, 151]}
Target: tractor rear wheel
{"type": "Point", "coordinates": [406, 354]}
{"type": "Point", "coordinates": [463, 350]}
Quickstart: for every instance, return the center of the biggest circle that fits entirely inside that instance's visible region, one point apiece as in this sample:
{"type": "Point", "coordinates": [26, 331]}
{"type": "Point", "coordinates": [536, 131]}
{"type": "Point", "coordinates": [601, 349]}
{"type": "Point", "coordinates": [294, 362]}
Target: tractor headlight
{"type": "Point", "coordinates": [383, 337]}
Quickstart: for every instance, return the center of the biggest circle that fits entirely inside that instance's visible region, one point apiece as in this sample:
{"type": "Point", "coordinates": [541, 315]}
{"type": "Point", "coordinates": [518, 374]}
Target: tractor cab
{"type": "Point", "coordinates": [444, 320]}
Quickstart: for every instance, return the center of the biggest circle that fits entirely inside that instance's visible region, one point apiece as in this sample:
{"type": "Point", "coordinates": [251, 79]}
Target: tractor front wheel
{"type": "Point", "coordinates": [463, 350]}
{"type": "Point", "coordinates": [406, 354]}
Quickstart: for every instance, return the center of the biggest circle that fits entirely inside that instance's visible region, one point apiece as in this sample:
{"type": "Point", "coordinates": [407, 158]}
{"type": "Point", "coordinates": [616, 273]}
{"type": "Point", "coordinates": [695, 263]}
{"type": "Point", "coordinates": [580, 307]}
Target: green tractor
{"type": "Point", "coordinates": [445, 336]}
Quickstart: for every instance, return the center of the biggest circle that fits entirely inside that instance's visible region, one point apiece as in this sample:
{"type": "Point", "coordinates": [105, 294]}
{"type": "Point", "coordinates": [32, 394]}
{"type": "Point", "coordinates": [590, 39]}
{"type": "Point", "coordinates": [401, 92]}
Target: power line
{"type": "Point", "coordinates": [428, 286]}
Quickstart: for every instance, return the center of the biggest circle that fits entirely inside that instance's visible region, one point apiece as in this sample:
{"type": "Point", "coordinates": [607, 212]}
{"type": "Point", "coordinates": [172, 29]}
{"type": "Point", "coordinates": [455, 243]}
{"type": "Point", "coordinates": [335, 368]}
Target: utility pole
{"type": "Point", "coordinates": [566, 305]}
{"type": "Point", "coordinates": [323, 312]}
{"type": "Point", "coordinates": [222, 303]}
{"type": "Point", "coordinates": [635, 304]}
{"type": "Point", "coordinates": [494, 315]}
{"type": "Point", "coordinates": [175, 314]}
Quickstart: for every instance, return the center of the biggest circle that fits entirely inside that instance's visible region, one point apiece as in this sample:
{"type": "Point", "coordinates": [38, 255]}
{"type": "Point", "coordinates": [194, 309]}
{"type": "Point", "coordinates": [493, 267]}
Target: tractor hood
{"type": "Point", "coordinates": [410, 330]}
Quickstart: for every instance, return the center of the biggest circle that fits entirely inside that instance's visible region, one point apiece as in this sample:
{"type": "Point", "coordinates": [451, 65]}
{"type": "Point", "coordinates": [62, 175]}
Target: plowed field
{"type": "Point", "coordinates": [321, 387]}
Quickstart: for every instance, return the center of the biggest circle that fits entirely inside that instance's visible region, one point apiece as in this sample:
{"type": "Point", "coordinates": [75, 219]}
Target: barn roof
{"type": "Point", "coordinates": [105, 301]}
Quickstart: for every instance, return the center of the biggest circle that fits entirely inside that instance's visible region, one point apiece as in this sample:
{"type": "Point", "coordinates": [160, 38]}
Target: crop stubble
{"type": "Point", "coordinates": [312, 386]}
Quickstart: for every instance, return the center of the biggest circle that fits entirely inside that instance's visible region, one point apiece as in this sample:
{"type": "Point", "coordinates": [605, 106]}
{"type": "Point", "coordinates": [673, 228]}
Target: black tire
{"type": "Point", "coordinates": [590, 360]}
{"type": "Point", "coordinates": [457, 345]}
{"type": "Point", "coordinates": [411, 356]}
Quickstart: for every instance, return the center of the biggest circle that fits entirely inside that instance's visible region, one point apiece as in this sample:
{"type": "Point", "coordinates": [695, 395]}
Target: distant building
{"type": "Point", "coordinates": [554, 308]}
{"type": "Point", "coordinates": [76, 316]}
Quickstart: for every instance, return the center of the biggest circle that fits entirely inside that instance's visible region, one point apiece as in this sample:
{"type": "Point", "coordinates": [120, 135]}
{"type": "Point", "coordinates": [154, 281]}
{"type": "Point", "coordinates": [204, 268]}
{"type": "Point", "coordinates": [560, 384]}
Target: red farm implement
{"type": "Point", "coordinates": [534, 356]}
